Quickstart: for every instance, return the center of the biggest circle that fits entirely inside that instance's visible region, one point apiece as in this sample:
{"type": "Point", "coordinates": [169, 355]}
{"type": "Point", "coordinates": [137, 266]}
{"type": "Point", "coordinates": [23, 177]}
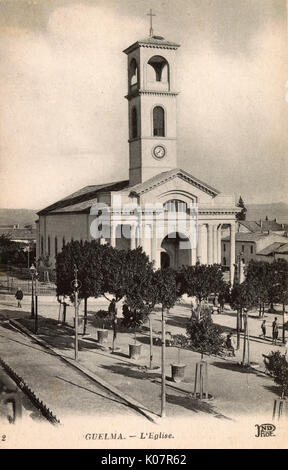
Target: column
{"type": "Point", "coordinates": [133, 237]}
{"type": "Point", "coordinates": [113, 235]}
{"type": "Point", "coordinates": [219, 245]}
{"type": "Point", "coordinates": [154, 241]}
{"type": "Point", "coordinates": [199, 243]}
{"type": "Point", "coordinates": [210, 244]}
{"type": "Point", "coordinates": [215, 244]}
{"type": "Point", "coordinates": [232, 252]}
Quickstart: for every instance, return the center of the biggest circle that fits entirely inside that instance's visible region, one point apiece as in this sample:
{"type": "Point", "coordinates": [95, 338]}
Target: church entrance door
{"type": "Point", "coordinates": [176, 248]}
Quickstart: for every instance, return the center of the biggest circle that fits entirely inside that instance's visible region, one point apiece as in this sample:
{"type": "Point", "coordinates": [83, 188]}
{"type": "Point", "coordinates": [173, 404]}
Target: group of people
{"type": "Point", "coordinates": [274, 330]}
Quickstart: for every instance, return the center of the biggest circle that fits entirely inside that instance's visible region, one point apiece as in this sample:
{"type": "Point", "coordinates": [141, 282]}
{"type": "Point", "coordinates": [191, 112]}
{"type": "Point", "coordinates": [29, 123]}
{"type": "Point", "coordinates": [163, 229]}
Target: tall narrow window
{"type": "Point", "coordinates": [63, 242]}
{"type": "Point", "coordinates": [49, 248]}
{"type": "Point", "coordinates": [133, 72]}
{"type": "Point", "coordinates": [42, 245]}
{"type": "Point", "coordinates": [134, 123]}
{"type": "Point", "coordinates": [56, 247]}
{"type": "Point", "coordinates": [158, 121]}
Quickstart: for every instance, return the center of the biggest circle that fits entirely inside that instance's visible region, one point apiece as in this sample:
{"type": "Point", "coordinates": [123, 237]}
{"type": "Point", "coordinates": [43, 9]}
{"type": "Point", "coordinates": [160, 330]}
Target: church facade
{"type": "Point", "coordinates": [174, 216]}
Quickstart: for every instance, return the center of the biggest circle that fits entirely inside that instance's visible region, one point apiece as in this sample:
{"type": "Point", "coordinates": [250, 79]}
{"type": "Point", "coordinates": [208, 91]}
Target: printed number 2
{"type": "Point", "coordinates": [3, 438]}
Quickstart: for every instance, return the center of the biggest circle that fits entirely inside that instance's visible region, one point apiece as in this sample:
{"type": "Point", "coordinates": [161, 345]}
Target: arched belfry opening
{"type": "Point", "coordinates": [158, 121]}
{"type": "Point", "coordinates": [134, 123]}
{"type": "Point", "coordinates": [133, 74]}
{"type": "Point", "coordinates": [158, 70]}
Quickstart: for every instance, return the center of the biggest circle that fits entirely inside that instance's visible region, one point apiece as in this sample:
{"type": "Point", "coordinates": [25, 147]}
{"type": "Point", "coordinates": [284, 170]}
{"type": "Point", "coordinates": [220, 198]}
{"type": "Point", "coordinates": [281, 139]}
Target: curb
{"type": "Point", "coordinates": [133, 403]}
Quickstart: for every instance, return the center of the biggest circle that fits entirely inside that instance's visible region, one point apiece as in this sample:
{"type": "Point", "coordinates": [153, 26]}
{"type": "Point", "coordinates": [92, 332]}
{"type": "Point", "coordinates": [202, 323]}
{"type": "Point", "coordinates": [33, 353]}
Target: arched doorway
{"type": "Point", "coordinates": [177, 248]}
{"type": "Point", "coordinates": [165, 260]}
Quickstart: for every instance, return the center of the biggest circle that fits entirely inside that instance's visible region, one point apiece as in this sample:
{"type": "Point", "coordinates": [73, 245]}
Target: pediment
{"type": "Point", "coordinates": [172, 183]}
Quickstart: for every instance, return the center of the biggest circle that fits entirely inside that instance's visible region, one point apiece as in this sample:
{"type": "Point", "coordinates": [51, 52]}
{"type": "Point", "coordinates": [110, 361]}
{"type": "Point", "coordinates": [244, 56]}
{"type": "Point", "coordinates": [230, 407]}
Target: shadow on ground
{"type": "Point", "coordinates": [133, 371]}
{"type": "Point", "coordinates": [195, 405]}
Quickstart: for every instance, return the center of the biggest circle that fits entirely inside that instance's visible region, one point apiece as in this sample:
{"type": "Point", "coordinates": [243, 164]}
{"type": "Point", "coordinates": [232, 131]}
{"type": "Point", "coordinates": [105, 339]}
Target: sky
{"type": "Point", "coordinates": [63, 78]}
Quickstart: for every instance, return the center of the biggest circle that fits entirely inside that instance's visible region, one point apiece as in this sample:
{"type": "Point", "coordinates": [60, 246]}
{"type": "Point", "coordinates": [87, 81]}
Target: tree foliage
{"type": "Point", "coordinates": [241, 215]}
{"type": "Point", "coordinates": [204, 336]}
{"type": "Point", "coordinates": [202, 280]}
{"type": "Point", "coordinates": [277, 365]}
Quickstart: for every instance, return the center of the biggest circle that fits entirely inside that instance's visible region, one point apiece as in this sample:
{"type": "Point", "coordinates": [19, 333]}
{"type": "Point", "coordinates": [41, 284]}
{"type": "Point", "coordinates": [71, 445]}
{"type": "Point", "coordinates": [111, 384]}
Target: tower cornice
{"type": "Point", "coordinates": [155, 42]}
{"type": "Point", "coordinates": [151, 92]}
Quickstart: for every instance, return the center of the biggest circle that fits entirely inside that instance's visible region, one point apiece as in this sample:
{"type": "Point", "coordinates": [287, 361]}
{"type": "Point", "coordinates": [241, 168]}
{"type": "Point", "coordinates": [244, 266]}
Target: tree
{"type": "Point", "coordinates": [204, 336]}
{"type": "Point", "coordinates": [277, 365]}
{"type": "Point", "coordinates": [140, 302]}
{"type": "Point", "coordinates": [202, 280]}
{"type": "Point", "coordinates": [259, 275]}
{"type": "Point", "coordinates": [241, 215]}
{"type": "Point", "coordinates": [87, 258]}
{"type": "Point", "coordinates": [166, 288]}
{"type": "Point", "coordinates": [243, 297]}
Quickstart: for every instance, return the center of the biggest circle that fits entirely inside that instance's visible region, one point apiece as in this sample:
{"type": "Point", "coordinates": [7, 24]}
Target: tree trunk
{"type": "Point", "coordinates": [64, 313]}
{"type": "Point", "coordinates": [163, 387]}
{"type": "Point", "coordinates": [283, 326]}
{"type": "Point", "coordinates": [85, 316]}
{"type": "Point", "coordinates": [238, 328]}
{"type": "Point", "coordinates": [151, 342]}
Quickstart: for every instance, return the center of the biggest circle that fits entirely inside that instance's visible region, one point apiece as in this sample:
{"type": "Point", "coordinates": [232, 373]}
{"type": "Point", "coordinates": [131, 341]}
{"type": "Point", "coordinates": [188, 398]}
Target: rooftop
{"type": "Point", "coordinates": [270, 249]}
{"type": "Point", "coordinates": [152, 41]}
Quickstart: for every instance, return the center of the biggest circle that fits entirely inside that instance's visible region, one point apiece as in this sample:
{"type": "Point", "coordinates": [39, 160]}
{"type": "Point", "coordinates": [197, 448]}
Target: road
{"type": "Point", "coordinates": [65, 391]}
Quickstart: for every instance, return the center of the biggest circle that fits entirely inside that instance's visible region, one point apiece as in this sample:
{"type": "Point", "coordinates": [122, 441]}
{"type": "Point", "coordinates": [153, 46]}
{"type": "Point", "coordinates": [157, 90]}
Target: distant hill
{"type": "Point", "coordinates": [278, 210]}
{"type": "Point", "coordinates": [18, 216]}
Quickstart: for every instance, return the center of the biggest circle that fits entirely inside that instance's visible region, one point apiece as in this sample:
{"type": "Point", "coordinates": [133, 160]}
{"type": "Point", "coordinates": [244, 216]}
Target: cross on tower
{"type": "Point", "coordinates": [151, 28]}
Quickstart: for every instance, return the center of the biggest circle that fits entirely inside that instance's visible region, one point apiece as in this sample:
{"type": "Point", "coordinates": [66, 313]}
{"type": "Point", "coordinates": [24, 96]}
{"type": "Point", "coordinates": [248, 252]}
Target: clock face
{"type": "Point", "coordinates": [159, 151]}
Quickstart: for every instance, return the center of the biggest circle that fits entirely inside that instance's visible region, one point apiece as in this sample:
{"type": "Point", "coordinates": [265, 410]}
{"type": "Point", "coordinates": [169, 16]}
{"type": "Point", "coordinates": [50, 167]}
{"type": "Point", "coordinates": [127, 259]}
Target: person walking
{"type": "Point", "coordinates": [230, 343]}
{"type": "Point", "coordinates": [274, 331]}
{"type": "Point", "coordinates": [19, 296]}
{"type": "Point", "coordinates": [263, 328]}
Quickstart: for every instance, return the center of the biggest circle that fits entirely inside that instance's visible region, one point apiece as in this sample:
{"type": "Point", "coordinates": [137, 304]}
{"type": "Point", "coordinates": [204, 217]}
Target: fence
{"type": "Point", "coordinates": [9, 285]}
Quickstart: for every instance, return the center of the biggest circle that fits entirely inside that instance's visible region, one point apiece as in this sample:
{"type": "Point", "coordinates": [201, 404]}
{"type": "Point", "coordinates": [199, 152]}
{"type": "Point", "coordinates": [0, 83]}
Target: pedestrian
{"type": "Point", "coordinates": [19, 296]}
{"type": "Point", "coordinates": [263, 328]}
{"type": "Point", "coordinates": [274, 331]}
{"type": "Point", "coordinates": [230, 343]}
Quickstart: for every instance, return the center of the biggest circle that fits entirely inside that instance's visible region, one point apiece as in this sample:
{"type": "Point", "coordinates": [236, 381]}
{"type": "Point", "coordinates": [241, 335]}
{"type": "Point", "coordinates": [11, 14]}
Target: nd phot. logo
{"type": "Point", "coordinates": [265, 430]}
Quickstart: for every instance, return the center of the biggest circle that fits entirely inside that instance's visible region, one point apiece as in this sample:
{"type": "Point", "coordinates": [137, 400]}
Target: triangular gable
{"type": "Point", "coordinates": [162, 178]}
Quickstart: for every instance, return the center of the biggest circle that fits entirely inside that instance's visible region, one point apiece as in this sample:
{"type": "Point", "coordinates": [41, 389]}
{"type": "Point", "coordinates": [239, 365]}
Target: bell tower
{"type": "Point", "coordinates": [151, 107]}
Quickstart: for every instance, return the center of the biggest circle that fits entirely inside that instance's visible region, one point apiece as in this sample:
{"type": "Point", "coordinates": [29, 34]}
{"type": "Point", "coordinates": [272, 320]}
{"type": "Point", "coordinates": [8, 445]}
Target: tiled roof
{"type": "Point", "coordinates": [246, 237]}
{"type": "Point", "coordinates": [270, 249]}
{"type": "Point", "coordinates": [283, 249]}
{"type": "Point", "coordinates": [153, 41]}
{"type": "Point", "coordinates": [264, 225]}
{"type": "Point", "coordinates": [88, 193]}
{"type": "Point", "coordinates": [271, 225]}
{"type": "Point", "coordinates": [168, 175]}
{"type": "Point", "coordinates": [251, 225]}
{"type": "Point", "coordinates": [19, 233]}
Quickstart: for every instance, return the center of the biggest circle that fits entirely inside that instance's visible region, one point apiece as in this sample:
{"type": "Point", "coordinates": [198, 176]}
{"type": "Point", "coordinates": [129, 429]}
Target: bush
{"type": "Point", "coordinates": [204, 336]}
{"type": "Point", "coordinates": [277, 365]}
{"type": "Point", "coordinates": [180, 341]}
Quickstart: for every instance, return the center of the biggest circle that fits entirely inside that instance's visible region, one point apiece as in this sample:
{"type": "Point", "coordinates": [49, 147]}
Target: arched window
{"type": "Point", "coordinates": [160, 67]}
{"type": "Point", "coordinates": [134, 123]}
{"type": "Point", "coordinates": [158, 121]}
{"type": "Point", "coordinates": [175, 205]}
{"type": "Point", "coordinates": [56, 247]}
{"type": "Point", "coordinates": [133, 73]}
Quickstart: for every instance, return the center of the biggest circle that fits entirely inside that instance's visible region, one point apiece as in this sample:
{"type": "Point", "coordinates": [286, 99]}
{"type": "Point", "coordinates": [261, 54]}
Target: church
{"type": "Point", "coordinates": [171, 214]}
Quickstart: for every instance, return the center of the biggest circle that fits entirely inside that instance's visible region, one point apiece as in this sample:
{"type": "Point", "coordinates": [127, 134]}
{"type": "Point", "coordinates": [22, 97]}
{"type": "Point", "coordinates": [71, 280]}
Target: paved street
{"type": "Point", "coordinates": [65, 391]}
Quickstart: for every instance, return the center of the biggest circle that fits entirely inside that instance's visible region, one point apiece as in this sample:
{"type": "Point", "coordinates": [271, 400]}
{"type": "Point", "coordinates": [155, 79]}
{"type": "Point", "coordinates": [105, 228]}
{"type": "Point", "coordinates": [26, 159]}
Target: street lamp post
{"type": "Point", "coordinates": [76, 286]}
{"type": "Point", "coordinates": [34, 303]}
{"type": "Point", "coordinates": [32, 272]}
